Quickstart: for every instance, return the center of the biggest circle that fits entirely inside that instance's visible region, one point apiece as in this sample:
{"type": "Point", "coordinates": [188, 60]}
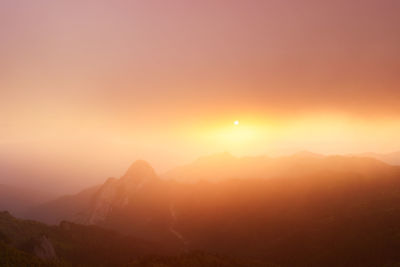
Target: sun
{"type": "Point", "coordinates": [236, 122]}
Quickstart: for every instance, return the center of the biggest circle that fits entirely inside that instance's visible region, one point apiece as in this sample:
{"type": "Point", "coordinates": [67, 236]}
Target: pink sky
{"type": "Point", "coordinates": [107, 82]}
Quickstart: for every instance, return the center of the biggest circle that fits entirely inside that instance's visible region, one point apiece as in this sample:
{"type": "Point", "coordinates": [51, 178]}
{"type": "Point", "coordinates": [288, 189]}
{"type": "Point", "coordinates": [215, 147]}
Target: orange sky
{"type": "Point", "coordinates": [85, 83]}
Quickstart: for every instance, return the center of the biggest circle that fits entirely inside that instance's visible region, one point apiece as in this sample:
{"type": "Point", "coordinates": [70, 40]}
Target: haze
{"type": "Point", "coordinates": [86, 87]}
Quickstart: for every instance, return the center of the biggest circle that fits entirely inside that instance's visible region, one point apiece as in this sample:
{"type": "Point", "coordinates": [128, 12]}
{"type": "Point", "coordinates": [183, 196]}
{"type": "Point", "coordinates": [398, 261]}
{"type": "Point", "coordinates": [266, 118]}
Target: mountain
{"type": "Point", "coordinates": [18, 199]}
{"type": "Point", "coordinates": [138, 198]}
{"type": "Point", "coordinates": [197, 259]}
{"type": "Point", "coordinates": [302, 210]}
{"type": "Point", "coordinates": [225, 166]}
{"type": "Point", "coordinates": [94, 200]}
{"type": "Point", "coordinates": [118, 192]}
{"type": "Point", "coordinates": [29, 243]}
{"type": "Point", "coordinates": [307, 154]}
{"type": "Point", "coordinates": [10, 256]}
{"type": "Point", "coordinates": [390, 158]}
{"type": "Point", "coordinates": [65, 207]}
{"type": "Point", "coordinates": [67, 244]}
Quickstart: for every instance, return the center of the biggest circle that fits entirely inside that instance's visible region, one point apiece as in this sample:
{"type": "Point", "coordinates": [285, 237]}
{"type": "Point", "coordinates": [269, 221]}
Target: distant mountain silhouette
{"type": "Point", "coordinates": [301, 210]}
{"type": "Point", "coordinates": [390, 158]}
{"type": "Point", "coordinates": [308, 154]}
{"type": "Point", "coordinates": [18, 199]}
{"type": "Point", "coordinates": [65, 207]}
{"type": "Point", "coordinates": [225, 166]}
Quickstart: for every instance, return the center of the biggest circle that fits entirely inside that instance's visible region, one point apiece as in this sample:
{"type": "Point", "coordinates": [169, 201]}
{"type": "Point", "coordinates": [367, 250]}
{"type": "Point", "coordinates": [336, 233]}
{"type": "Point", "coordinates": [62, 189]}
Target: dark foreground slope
{"type": "Point", "coordinates": [33, 244]}
{"type": "Point", "coordinates": [197, 259]}
{"type": "Point", "coordinates": [10, 256]}
{"type": "Point", "coordinates": [68, 243]}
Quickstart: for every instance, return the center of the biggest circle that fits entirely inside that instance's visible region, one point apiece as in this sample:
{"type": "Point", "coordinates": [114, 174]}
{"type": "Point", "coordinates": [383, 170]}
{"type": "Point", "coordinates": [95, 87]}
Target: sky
{"type": "Point", "coordinates": [87, 87]}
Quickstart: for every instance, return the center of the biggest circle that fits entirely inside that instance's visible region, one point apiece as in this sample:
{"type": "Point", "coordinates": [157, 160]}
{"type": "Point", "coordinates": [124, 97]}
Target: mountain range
{"type": "Point", "coordinates": [19, 200]}
{"type": "Point", "coordinates": [300, 210]}
{"type": "Point", "coordinates": [390, 158]}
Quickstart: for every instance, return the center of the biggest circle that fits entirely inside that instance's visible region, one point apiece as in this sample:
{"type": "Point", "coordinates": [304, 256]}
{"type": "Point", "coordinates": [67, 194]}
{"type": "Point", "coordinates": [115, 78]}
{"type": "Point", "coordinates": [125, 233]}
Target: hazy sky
{"type": "Point", "coordinates": [89, 86]}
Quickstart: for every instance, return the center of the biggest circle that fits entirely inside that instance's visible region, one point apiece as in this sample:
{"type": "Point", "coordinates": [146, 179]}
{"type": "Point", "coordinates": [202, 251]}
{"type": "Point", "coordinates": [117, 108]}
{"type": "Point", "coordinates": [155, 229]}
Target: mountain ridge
{"type": "Point", "coordinates": [271, 204]}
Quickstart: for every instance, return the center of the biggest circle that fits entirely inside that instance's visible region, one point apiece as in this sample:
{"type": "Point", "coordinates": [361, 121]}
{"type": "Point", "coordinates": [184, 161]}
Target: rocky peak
{"type": "Point", "coordinates": [140, 170]}
{"type": "Point", "coordinates": [5, 215]}
{"type": "Point", "coordinates": [117, 192]}
{"type": "Point", "coordinates": [43, 248]}
{"type": "Point", "coordinates": [66, 226]}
